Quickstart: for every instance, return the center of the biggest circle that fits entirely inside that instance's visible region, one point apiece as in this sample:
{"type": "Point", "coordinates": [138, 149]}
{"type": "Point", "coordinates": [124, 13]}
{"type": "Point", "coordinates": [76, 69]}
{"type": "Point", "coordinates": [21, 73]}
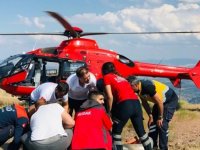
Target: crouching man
{"type": "Point", "coordinates": [50, 128]}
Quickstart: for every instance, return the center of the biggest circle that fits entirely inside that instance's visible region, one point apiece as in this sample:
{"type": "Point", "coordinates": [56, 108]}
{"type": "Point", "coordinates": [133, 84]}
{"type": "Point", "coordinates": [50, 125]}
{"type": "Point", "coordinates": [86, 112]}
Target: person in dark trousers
{"type": "Point", "coordinates": [13, 123]}
{"type": "Point", "coordinates": [165, 102]}
{"type": "Point", "coordinates": [93, 125]}
{"type": "Point", "coordinates": [124, 105]}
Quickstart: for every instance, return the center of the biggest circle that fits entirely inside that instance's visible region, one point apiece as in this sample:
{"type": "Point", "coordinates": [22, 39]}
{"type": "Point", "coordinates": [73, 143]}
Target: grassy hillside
{"type": "Point", "coordinates": [185, 128]}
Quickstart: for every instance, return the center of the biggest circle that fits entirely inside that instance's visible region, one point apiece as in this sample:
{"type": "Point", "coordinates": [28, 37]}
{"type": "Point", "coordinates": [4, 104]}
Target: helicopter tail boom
{"type": "Point", "coordinates": [175, 74]}
{"type": "Point", "coordinates": [195, 74]}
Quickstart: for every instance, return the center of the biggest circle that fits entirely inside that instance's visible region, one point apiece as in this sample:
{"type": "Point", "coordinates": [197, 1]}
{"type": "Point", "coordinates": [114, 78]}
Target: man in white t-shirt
{"type": "Point", "coordinates": [51, 93]}
{"type": "Point", "coordinates": [80, 83]}
{"type": "Point", "coordinates": [51, 128]}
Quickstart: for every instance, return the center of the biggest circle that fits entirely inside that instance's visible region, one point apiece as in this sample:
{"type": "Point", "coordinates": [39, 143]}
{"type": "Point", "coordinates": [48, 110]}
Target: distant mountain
{"type": "Point", "coordinates": [188, 91]}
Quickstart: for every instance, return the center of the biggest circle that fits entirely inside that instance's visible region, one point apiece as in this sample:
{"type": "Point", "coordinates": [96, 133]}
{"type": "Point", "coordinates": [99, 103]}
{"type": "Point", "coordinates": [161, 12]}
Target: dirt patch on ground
{"type": "Point", "coordinates": [184, 132]}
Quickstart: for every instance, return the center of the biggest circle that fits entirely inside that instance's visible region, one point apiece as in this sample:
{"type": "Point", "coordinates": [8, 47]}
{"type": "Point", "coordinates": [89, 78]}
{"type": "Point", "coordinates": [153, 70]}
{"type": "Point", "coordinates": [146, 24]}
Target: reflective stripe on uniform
{"type": "Point", "coordinates": [117, 142]}
{"type": "Point", "coordinates": [117, 136]}
{"type": "Point", "coordinates": [144, 137]}
{"type": "Point", "coordinates": [167, 133]}
{"type": "Point", "coordinates": [152, 126]}
{"type": "Point", "coordinates": [152, 130]}
{"type": "Point", "coordinates": [146, 142]}
{"type": "Point", "coordinates": [117, 139]}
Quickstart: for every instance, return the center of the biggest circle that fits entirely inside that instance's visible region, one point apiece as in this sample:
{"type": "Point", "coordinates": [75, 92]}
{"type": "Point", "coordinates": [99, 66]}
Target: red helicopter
{"type": "Point", "coordinates": [20, 74]}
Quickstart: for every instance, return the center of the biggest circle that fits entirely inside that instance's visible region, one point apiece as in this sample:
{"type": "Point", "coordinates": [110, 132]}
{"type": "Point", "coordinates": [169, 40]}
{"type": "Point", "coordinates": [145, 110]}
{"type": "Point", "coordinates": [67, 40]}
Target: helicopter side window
{"type": "Point", "coordinates": [70, 68]}
{"type": "Point", "coordinates": [50, 71]}
{"type": "Point", "coordinates": [126, 61]}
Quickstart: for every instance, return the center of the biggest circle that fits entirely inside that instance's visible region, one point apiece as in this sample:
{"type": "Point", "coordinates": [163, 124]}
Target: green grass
{"type": "Point", "coordinates": [186, 114]}
{"type": "Point", "coordinates": [182, 104]}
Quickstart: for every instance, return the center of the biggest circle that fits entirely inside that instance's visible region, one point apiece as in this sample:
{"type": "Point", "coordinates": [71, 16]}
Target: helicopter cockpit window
{"type": "Point", "coordinates": [7, 66]}
{"type": "Point", "coordinates": [126, 61]}
{"type": "Point", "coordinates": [23, 64]}
{"type": "Point", "coordinates": [70, 68]}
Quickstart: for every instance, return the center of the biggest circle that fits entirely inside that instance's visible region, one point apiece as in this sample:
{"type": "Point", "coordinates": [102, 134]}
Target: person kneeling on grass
{"type": "Point", "coordinates": [93, 125]}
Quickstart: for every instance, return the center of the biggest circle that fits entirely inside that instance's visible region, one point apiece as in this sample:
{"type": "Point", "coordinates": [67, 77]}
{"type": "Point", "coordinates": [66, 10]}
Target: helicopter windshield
{"type": "Point", "coordinates": [13, 64]}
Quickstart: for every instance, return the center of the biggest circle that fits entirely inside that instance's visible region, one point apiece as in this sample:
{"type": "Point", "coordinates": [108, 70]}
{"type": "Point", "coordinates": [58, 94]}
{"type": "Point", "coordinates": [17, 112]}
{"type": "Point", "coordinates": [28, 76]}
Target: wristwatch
{"type": "Point", "coordinates": [160, 117]}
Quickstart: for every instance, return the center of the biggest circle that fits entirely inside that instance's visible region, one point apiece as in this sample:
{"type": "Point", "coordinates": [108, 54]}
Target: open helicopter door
{"type": "Point", "coordinates": [34, 73]}
{"type": "Point", "coordinates": [42, 70]}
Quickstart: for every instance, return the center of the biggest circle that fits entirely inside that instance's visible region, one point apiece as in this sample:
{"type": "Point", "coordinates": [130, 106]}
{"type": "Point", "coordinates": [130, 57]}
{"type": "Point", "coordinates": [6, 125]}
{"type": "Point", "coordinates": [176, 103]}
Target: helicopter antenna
{"type": "Point", "coordinates": [160, 61]}
{"type": "Point", "coordinates": [34, 45]}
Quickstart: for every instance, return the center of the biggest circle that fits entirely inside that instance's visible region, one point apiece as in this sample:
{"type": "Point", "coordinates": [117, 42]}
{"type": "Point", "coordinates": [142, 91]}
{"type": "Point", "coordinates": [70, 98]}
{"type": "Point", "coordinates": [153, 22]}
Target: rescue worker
{"type": "Point", "coordinates": [124, 105]}
{"type": "Point", "coordinates": [13, 123]}
{"type": "Point", "coordinates": [80, 83]}
{"type": "Point", "coordinates": [93, 125]}
{"type": "Point", "coordinates": [165, 102]}
{"type": "Point", "coordinates": [51, 93]}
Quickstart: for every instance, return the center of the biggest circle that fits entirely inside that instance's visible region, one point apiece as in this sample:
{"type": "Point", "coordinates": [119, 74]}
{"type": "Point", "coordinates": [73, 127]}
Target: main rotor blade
{"type": "Point", "coordinates": [173, 32]}
{"type": "Point", "coordinates": [64, 23]}
{"type": "Point", "coordinates": [103, 33]}
{"type": "Point", "coordinates": [58, 33]}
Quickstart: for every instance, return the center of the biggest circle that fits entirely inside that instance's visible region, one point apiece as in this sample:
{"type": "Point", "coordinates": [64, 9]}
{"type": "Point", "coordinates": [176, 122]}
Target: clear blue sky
{"type": "Point", "coordinates": [106, 16]}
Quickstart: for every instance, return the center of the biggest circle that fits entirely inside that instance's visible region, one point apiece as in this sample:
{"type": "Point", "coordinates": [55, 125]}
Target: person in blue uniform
{"type": "Point", "coordinates": [165, 103]}
{"type": "Point", "coordinates": [13, 123]}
